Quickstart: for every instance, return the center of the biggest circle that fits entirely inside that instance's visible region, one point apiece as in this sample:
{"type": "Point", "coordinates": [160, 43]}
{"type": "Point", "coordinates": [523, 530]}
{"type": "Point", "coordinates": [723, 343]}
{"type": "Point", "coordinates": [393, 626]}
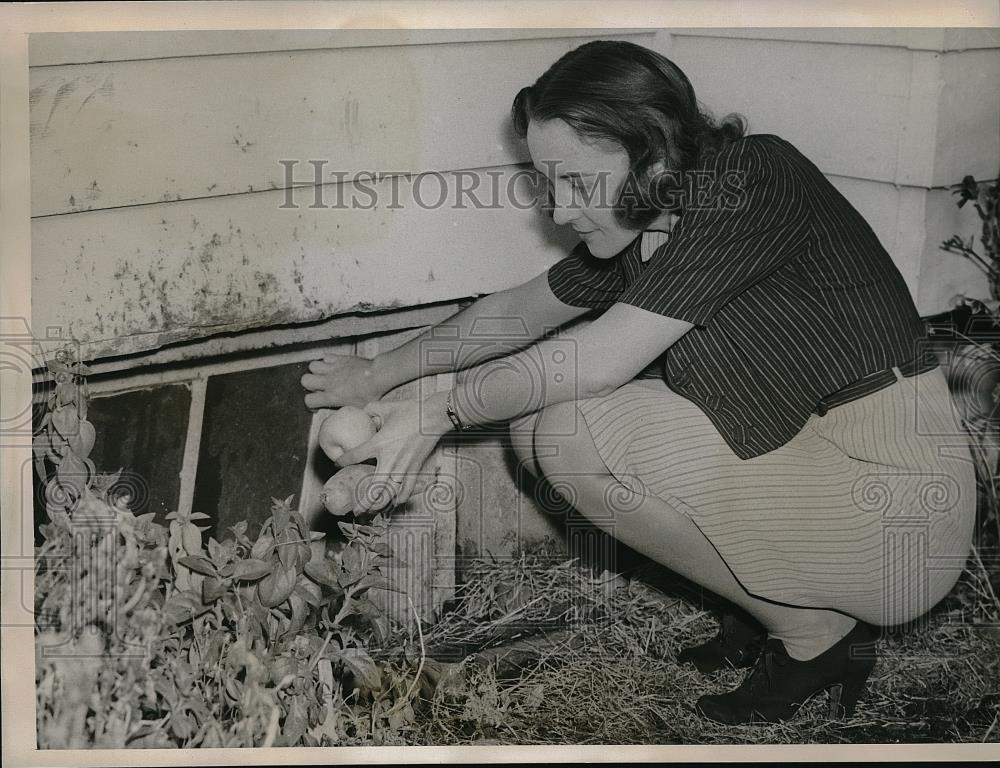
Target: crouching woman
{"type": "Point", "coordinates": [751, 406]}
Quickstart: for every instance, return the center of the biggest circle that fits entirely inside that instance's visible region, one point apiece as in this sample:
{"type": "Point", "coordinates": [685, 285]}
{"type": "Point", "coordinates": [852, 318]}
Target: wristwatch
{"type": "Point", "coordinates": [453, 417]}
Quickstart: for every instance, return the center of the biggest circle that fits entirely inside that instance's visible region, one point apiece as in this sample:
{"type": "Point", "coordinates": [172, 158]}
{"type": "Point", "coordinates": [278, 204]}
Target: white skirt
{"type": "Point", "coordinates": [869, 510]}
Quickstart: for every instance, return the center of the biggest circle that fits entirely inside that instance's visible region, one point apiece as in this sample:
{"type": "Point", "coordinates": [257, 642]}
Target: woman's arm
{"type": "Point", "coordinates": [588, 362]}
{"type": "Point", "coordinates": [494, 325]}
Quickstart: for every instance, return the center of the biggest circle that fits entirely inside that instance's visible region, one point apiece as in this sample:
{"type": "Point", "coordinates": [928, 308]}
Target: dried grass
{"type": "Point", "coordinates": [617, 680]}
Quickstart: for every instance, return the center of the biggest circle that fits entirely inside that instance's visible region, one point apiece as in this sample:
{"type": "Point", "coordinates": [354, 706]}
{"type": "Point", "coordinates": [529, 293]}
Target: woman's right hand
{"type": "Point", "coordinates": [339, 380]}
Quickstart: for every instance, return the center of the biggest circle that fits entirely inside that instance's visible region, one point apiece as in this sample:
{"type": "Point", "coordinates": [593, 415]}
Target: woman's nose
{"type": "Point", "coordinates": [562, 215]}
{"type": "Point", "coordinates": [564, 209]}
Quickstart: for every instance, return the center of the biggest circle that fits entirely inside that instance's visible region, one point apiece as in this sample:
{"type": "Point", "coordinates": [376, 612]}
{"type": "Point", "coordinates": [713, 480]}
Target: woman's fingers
{"type": "Point", "coordinates": [380, 493]}
{"type": "Point", "coordinates": [400, 452]}
{"type": "Point", "coordinates": [404, 489]}
{"type": "Point", "coordinates": [358, 454]}
{"type": "Point", "coordinates": [378, 412]}
{"type": "Point", "coordinates": [390, 489]}
{"type": "Point", "coordinates": [335, 359]}
{"type": "Point", "coordinates": [319, 400]}
{"type": "Point", "coordinates": [311, 381]}
{"type": "Point", "coordinates": [341, 380]}
{"type": "Point", "coordinates": [324, 392]}
{"type": "Point", "coordinates": [321, 366]}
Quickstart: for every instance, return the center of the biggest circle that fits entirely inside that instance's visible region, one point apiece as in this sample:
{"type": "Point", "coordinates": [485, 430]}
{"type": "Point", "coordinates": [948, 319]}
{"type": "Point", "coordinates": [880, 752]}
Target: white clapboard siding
{"type": "Point", "coordinates": [46, 49]}
{"type": "Point", "coordinates": [136, 132]}
{"type": "Point", "coordinates": [842, 105]}
{"type": "Point", "coordinates": [911, 223]}
{"type": "Point", "coordinates": [132, 279]}
{"type": "Point", "coordinates": [968, 126]}
{"type": "Point", "coordinates": [883, 105]}
{"type": "Point", "coordinates": [929, 39]}
{"type": "Point", "coordinates": [968, 38]}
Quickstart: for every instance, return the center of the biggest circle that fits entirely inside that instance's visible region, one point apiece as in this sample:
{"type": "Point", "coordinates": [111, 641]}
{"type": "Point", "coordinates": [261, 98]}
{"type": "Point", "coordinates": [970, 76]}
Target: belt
{"type": "Point", "coordinates": [873, 382]}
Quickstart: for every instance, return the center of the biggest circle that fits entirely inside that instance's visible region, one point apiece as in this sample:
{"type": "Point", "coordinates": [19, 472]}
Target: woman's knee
{"type": "Point", "coordinates": [556, 420]}
{"type": "Point", "coordinates": [563, 441]}
{"type": "Point", "coordinates": [522, 441]}
{"type": "Point", "coordinates": [541, 438]}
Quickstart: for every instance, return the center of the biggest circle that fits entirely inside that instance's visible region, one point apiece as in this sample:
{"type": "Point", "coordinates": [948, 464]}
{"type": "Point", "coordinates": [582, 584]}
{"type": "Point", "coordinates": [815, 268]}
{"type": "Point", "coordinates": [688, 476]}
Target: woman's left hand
{"type": "Point", "coordinates": [401, 446]}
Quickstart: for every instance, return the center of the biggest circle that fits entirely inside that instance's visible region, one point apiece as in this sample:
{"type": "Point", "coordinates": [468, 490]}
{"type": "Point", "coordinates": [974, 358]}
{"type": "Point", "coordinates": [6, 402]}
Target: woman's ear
{"type": "Point", "coordinates": [654, 174]}
{"type": "Point", "coordinates": [664, 184]}
{"type": "Point", "coordinates": [658, 167]}
{"type": "Point", "coordinates": [659, 170]}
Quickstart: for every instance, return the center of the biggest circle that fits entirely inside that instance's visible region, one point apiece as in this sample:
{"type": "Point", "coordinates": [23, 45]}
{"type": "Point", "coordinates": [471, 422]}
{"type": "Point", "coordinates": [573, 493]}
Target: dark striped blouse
{"type": "Point", "coordinates": [792, 295]}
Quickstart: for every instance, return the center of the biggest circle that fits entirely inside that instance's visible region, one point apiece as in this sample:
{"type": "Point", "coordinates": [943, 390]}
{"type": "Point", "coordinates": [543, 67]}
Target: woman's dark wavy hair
{"type": "Point", "coordinates": [629, 95]}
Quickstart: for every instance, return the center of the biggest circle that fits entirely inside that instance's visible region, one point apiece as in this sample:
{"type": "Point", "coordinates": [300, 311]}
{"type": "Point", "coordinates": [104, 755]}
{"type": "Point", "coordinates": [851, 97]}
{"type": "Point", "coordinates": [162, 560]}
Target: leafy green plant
{"type": "Point", "coordinates": [149, 635]}
{"type": "Point", "coordinates": [985, 198]}
{"type": "Point", "coordinates": [975, 377]}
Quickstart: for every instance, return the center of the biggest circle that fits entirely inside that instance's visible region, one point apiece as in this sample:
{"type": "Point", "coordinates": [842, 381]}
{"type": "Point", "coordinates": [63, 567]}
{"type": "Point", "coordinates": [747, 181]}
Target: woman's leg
{"type": "Point", "coordinates": [522, 441]}
{"type": "Point", "coordinates": [564, 449]}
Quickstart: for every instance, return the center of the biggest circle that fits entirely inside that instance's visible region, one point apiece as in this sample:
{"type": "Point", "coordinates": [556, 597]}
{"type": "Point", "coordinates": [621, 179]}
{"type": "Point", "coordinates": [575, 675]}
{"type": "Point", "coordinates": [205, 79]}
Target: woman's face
{"type": "Point", "coordinates": [584, 179]}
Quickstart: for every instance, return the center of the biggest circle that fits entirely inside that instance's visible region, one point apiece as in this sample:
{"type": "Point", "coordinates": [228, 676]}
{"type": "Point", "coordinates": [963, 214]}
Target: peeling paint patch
{"type": "Point", "coordinates": [368, 306]}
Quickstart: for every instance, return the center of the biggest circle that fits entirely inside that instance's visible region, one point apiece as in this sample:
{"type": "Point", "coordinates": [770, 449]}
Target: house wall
{"type": "Point", "coordinates": [161, 211]}
{"type": "Point", "coordinates": [170, 241]}
{"type": "Point", "coordinates": [892, 116]}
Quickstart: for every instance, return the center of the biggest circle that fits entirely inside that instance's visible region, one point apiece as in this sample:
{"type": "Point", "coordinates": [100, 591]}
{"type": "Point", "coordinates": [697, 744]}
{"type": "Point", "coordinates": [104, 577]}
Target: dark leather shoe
{"type": "Point", "coordinates": [778, 684]}
{"type": "Point", "coordinates": [738, 645]}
